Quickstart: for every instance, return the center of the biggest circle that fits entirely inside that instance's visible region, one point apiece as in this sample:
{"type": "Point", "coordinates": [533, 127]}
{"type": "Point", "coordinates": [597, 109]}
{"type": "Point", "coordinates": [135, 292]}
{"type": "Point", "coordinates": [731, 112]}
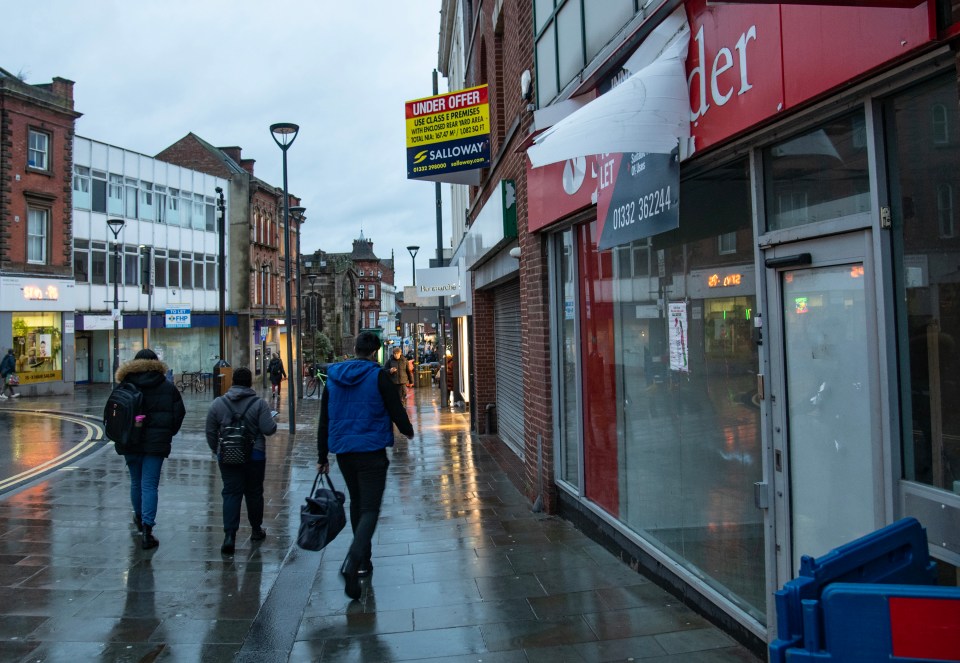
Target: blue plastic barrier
{"type": "Point", "coordinates": [819, 619]}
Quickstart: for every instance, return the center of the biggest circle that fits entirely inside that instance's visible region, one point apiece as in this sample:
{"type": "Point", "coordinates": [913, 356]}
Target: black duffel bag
{"type": "Point", "coordinates": [322, 517]}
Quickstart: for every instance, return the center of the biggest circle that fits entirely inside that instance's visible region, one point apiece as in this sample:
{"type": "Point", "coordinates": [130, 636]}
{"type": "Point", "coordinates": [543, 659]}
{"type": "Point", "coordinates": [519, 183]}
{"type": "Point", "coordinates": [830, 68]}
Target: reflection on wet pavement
{"type": "Point", "coordinates": [464, 570]}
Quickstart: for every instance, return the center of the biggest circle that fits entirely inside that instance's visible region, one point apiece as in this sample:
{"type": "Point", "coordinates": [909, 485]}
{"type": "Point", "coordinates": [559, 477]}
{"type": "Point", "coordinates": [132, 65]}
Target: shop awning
{"type": "Point", "coordinates": [648, 112]}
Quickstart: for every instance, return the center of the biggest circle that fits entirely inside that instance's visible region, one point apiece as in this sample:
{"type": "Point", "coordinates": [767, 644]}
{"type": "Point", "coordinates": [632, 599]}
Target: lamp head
{"type": "Point", "coordinates": [298, 211]}
{"type": "Point", "coordinates": [284, 133]}
{"type": "Point", "coordinates": [413, 251]}
{"type": "Point", "coordinates": [526, 85]}
{"type": "Point", "coordinates": [116, 225]}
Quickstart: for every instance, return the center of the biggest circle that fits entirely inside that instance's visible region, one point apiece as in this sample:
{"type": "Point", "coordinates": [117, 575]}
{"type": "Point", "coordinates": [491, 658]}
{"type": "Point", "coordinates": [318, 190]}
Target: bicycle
{"type": "Point", "coordinates": [315, 380]}
{"type": "Point", "coordinates": [193, 380]}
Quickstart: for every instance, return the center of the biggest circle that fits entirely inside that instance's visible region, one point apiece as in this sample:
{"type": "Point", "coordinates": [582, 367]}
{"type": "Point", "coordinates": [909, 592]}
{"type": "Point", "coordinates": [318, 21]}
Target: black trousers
{"type": "Point", "coordinates": [365, 474]}
{"type": "Point", "coordinates": [239, 482]}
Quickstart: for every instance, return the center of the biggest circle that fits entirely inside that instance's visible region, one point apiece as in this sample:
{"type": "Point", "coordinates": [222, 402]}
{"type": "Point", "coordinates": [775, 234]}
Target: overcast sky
{"type": "Point", "coordinates": [148, 73]}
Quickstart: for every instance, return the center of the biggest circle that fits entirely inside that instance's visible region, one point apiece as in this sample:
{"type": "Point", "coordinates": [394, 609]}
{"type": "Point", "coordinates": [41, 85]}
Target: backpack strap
{"type": "Point", "coordinates": [243, 415]}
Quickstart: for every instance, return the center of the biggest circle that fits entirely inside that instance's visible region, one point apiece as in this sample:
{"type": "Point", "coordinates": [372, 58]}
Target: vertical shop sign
{"type": "Point", "coordinates": [677, 312]}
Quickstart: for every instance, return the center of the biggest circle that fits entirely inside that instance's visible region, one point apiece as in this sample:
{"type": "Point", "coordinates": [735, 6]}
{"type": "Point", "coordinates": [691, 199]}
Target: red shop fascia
{"type": "Point", "coordinates": [750, 65]}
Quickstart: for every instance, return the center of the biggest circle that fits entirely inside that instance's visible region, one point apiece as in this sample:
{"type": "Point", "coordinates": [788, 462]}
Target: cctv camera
{"type": "Point", "coordinates": [218, 190]}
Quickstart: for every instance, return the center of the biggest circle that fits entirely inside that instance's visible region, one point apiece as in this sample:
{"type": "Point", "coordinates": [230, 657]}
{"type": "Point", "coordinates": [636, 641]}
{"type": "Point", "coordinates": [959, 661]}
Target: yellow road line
{"type": "Point", "coordinates": [92, 436]}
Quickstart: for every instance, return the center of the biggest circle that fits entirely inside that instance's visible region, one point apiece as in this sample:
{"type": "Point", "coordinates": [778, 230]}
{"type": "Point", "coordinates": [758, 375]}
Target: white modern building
{"type": "Point", "coordinates": [168, 235]}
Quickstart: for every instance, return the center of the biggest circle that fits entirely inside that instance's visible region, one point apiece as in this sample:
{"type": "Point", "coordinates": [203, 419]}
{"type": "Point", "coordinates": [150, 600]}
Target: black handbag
{"type": "Point", "coordinates": [322, 517]}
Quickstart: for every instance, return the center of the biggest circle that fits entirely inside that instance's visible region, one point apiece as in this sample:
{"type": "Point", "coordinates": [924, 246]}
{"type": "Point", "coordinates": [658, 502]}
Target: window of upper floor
{"type": "Point", "coordinates": [38, 150]}
{"type": "Point", "coordinates": [569, 34]}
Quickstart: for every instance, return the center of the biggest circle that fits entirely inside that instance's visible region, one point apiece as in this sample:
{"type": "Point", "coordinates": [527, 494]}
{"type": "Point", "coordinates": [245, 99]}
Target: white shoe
{"type": "Point", "coordinates": [3, 396]}
{"type": "Point", "coordinates": [15, 396]}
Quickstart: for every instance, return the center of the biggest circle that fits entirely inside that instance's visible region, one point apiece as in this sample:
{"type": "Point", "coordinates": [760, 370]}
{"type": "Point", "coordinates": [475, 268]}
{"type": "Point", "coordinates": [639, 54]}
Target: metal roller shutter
{"type": "Point", "coordinates": [509, 371]}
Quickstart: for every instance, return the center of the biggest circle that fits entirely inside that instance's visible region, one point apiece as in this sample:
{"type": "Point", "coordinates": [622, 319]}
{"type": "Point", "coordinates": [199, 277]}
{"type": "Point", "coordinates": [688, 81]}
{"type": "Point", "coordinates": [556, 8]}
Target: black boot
{"type": "Point", "coordinates": [229, 543]}
{"type": "Point", "coordinates": [138, 521]}
{"type": "Point", "coordinates": [351, 581]}
{"type": "Point", "coordinates": [148, 540]}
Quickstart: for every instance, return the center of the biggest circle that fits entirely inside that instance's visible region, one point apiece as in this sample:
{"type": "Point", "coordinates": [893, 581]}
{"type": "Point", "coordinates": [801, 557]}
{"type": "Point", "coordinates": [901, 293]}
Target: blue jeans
{"type": "Point", "coordinates": [365, 474]}
{"type": "Point", "coordinates": [242, 482]}
{"type": "Point", "coordinates": [144, 485]}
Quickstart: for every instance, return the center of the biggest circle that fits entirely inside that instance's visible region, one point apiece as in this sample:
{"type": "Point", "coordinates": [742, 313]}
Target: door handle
{"type": "Point", "coordinates": [761, 495]}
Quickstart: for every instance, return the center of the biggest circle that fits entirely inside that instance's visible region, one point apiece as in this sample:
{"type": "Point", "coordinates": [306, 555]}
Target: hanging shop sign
{"type": "Point", "coordinates": [438, 282]}
{"type": "Point", "coordinates": [448, 136]}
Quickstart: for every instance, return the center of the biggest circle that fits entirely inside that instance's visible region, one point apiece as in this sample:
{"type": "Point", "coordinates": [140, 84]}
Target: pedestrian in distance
{"type": "Point", "coordinates": [8, 367]}
{"type": "Point", "coordinates": [242, 481]}
{"type": "Point", "coordinates": [277, 374]}
{"type": "Point", "coordinates": [163, 412]}
{"type": "Point", "coordinates": [399, 370]}
{"type": "Point", "coordinates": [358, 410]}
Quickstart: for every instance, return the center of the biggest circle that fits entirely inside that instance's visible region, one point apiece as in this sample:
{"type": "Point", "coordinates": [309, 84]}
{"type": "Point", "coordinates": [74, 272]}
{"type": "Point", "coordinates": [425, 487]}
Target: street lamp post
{"type": "Point", "coordinates": [314, 313]}
{"type": "Point", "coordinates": [413, 255]}
{"type": "Point", "coordinates": [297, 213]}
{"type": "Point", "coordinates": [116, 225]}
{"type": "Point", "coordinates": [284, 133]}
{"type": "Point", "coordinates": [263, 322]}
{"type": "Point", "coordinates": [360, 313]}
{"type": "Point", "coordinates": [220, 382]}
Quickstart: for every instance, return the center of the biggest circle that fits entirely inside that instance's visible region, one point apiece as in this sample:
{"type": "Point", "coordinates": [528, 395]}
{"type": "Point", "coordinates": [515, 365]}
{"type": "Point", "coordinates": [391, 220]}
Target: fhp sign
{"type": "Point", "coordinates": [177, 318]}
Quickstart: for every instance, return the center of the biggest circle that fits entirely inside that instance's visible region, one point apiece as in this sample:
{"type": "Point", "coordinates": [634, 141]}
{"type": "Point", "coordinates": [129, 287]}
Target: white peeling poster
{"type": "Point", "coordinates": [677, 312]}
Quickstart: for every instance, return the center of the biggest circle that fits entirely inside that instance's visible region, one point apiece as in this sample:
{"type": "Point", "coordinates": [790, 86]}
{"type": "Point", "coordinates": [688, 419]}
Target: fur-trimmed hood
{"type": "Point", "coordinates": [141, 366]}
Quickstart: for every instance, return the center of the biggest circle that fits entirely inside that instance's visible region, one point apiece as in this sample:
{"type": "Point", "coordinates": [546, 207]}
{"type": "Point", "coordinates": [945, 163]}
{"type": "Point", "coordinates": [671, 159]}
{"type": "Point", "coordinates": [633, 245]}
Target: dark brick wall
{"type": "Point", "coordinates": [509, 44]}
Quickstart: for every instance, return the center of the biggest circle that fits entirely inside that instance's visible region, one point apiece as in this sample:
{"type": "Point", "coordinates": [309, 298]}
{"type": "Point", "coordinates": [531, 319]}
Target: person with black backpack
{"type": "Point", "coordinates": [238, 424]}
{"type": "Point", "coordinates": [277, 374]}
{"type": "Point", "coordinates": [159, 417]}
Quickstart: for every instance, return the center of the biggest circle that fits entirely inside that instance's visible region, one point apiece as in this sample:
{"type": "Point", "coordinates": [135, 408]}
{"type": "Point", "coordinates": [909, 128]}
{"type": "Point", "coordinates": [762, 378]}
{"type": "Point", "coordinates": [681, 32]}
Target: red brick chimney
{"type": "Point", "coordinates": [247, 165]}
{"type": "Point", "coordinates": [233, 152]}
{"type": "Point", "coordinates": [63, 88]}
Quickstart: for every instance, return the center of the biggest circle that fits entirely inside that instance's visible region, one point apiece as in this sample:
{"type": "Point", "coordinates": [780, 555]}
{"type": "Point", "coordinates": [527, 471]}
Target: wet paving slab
{"type": "Point", "coordinates": [464, 570]}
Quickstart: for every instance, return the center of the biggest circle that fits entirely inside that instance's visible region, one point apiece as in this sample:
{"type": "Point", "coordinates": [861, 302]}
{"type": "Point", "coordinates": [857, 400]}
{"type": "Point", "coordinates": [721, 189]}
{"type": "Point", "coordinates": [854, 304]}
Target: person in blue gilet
{"type": "Point", "coordinates": [358, 410]}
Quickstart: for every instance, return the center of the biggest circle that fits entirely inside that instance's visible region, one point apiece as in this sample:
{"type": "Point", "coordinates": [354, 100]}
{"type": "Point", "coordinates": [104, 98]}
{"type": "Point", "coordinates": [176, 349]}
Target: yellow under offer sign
{"type": "Point", "coordinates": [448, 133]}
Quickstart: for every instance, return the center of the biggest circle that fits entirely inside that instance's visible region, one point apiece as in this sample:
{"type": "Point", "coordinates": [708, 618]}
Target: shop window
{"type": "Point", "coordinates": [820, 175]}
{"type": "Point", "coordinates": [186, 269]}
{"type": "Point", "coordinates": [115, 195]}
{"type": "Point", "coordinates": [198, 271]}
{"type": "Point", "coordinates": [115, 257]}
{"type": "Point", "coordinates": [928, 293]}
{"type": "Point", "coordinates": [727, 243]}
{"type": "Point", "coordinates": [99, 191]}
{"type": "Point", "coordinates": [146, 201]}
{"type": "Point", "coordinates": [945, 213]}
{"type": "Point", "coordinates": [198, 221]}
{"type": "Point", "coordinates": [940, 124]}
{"type": "Point", "coordinates": [131, 265]}
{"type": "Point", "coordinates": [173, 207]}
{"type": "Point", "coordinates": [186, 209]}
{"type": "Point", "coordinates": [81, 187]}
{"type": "Point", "coordinates": [209, 210]}
{"type": "Point", "coordinates": [173, 264]}
{"type": "Point", "coordinates": [160, 267]}
{"type": "Point", "coordinates": [98, 263]}
{"type": "Point", "coordinates": [657, 380]}
{"type": "Point", "coordinates": [130, 193]}
{"type": "Point", "coordinates": [211, 272]}
{"type": "Point", "coordinates": [38, 229]}
{"type": "Point", "coordinates": [38, 150]}
{"type": "Point", "coordinates": [37, 346]}
{"type": "Point", "coordinates": [81, 260]}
